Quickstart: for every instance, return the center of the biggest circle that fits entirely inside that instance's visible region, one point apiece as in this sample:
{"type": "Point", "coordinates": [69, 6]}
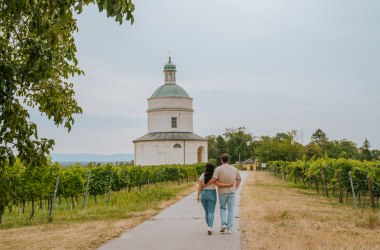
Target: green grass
{"type": "Point", "coordinates": [122, 205]}
{"type": "Point", "coordinates": [312, 191]}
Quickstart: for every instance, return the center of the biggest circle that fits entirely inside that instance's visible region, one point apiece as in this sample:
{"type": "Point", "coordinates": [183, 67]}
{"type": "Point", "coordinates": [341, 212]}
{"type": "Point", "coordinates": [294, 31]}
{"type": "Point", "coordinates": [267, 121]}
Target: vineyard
{"type": "Point", "coordinates": [42, 186]}
{"type": "Point", "coordinates": [345, 179]}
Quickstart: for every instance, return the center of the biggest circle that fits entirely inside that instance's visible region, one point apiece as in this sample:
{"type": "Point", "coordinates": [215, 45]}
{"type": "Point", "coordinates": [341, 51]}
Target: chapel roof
{"type": "Point", "coordinates": [170, 90]}
{"type": "Point", "coordinates": [170, 65]}
{"type": "Point", "coordinates": [167, 136]}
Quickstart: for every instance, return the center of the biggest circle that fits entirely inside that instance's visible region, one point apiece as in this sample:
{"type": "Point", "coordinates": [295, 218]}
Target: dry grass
{"type": "Point", "coordinates": [276, 216]}
{"type": "Point", "coordinates": [78, 235]}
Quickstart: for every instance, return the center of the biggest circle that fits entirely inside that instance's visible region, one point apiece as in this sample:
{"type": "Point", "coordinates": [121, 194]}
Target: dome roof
{"type": "Point", "coordinates": [170, 65]}
{"type": "Point", "coordinates": [170, 90]}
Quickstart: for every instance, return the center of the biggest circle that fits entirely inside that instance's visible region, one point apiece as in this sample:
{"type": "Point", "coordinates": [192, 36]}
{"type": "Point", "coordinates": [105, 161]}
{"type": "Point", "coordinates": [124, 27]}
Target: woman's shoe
{"type": "Point", "coordinates": [209, 231]}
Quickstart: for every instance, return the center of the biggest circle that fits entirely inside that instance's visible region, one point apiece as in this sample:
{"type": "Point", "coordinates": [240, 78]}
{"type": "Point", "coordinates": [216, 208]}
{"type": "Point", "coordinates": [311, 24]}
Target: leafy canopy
{"type": "Point", "coordinates": [37, 58]}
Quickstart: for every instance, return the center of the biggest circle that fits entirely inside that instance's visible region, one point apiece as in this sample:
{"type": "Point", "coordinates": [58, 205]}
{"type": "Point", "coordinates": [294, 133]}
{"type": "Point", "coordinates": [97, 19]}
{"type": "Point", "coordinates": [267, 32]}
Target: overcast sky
{"type": "Point", "coordinates": [270, 66]}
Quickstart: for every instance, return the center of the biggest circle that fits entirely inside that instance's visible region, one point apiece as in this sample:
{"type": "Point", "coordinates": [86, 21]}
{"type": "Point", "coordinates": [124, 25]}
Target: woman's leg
{"type": "Point", "coordinates": [211, 209]}
{"type": "Point", "coordinates": [204, 202]}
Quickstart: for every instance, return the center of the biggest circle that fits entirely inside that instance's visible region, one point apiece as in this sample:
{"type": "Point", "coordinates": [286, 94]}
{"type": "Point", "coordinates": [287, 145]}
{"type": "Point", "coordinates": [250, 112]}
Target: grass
{"type": "Point", "coordinates": [280, 215]}
{"type": "Point", "coordinates": [77, 228]}
{"type": "Point", "coordinates": [121, 205]}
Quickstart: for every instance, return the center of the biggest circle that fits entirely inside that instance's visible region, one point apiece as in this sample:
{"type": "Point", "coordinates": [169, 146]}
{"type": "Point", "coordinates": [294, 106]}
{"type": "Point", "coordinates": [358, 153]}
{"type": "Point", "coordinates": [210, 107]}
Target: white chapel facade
{"type": "Point", "coordinates": [170, 138]}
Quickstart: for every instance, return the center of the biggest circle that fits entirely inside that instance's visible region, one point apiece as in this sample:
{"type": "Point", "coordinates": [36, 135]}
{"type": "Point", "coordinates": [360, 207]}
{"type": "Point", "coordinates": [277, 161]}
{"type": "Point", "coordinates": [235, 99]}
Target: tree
{"type": "Point", "coordinates": [238, 143]}
{"type": "Point", "coordinates": [264, 149]}
{"type": "Point", "coordinates": [366, 153]}
{"type": "Point", "coordinates": [318, 144]}
{"type": "Point", "coordinates": [280, 147]}
{"type": "Point", "coordinates": [319, 137]}
{"type": "Point", "coordinates": [37, 57]}
{"type": "Point", "coordinates": [211, 147]}
{"type": "Point", "coordinates": [376, 154]}
{"type": "Point", "coordinates": [221, 148]}
{"type": "Point", "coordinates": [342, 149]}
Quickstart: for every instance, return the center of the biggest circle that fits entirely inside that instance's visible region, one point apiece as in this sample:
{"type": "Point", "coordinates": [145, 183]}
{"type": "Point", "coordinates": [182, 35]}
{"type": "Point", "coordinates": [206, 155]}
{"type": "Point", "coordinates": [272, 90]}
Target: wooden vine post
{"type": "Point", "coordinates": [86, 193]}
{"type": "Point", "coordinates": [110, 187]}
{"type": "Point", "coordinates": [370, 189]}
{"type": "Point", "coordinates": [50, 218]}
{"type": "Point", "coordinates": [282, 174]}
{"type": "Point", "coordinates": [340, 187]}
{"type": "Point", "coordinates": [352, 188]}
{"type": "Point", "coordinates": [324, 183]}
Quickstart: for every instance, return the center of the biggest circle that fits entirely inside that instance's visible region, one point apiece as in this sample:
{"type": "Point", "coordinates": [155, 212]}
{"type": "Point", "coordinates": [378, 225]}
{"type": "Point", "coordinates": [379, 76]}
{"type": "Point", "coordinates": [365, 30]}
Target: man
{"type": "Point", "coordinates": [226, 174]}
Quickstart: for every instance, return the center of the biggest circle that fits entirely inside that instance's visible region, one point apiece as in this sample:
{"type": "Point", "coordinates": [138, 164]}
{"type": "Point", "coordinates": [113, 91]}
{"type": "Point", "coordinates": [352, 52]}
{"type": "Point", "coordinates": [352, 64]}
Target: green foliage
{"type": "Point", "coordinates": [333, 174]}
{"type": "Point", "coordinates": [283, 147]}
{"type": "Point", "coordinates": [30, 184]}
{"type": "Point", "coordinates": [217, 146]}
{"type": "Point", "coordinates": [37, 58]}
{"type": "Point", "coordinates": [366, 153]}
{"type": "Point", "coordinates": [342, 149]}
{"type": "Point", "coordinates": [238, 144]}
{"type": "Point", "coordinates": [212, 148]}
{"type": "Point", "coordinates": [121, 205]}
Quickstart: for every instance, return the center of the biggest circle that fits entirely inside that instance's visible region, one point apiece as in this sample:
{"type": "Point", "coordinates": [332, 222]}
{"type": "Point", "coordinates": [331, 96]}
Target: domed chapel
{"type": "Point", "coordinates": [170, 138]}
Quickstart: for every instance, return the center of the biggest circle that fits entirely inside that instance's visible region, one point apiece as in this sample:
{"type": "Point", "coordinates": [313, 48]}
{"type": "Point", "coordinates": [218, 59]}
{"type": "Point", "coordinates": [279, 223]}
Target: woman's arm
{"type": "Point", "coordinates": [199, 190]}
{"type": "Point", "coordinates": [224, 185]}
{"type": "Point", "coordinates": [208, 183]}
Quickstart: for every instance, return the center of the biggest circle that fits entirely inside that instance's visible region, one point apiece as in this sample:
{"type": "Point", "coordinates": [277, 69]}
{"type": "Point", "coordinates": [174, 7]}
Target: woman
{"type": "Point", "coordinates": [208, 194]}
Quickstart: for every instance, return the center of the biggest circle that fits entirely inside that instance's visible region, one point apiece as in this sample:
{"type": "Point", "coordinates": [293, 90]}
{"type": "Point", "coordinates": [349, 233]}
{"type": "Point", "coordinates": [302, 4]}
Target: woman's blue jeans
{"type": "Point", "coordinates": [208, 199]}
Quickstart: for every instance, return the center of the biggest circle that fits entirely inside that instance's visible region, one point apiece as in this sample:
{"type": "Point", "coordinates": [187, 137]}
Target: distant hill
{"type": "Point", "coordinates": [85, 158]}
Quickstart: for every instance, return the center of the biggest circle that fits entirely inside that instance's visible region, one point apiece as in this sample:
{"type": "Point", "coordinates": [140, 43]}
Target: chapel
{"type": "Point", "coordinates": [170, 138]}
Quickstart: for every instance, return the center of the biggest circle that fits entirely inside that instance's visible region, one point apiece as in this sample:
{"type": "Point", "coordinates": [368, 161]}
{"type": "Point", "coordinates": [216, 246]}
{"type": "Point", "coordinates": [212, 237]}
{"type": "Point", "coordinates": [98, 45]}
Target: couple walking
{"type": "Point", "coordinates": [227, 179]}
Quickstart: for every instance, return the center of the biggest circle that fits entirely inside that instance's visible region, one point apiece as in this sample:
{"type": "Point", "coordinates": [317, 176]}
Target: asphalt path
{"type": "Point", "coordinates": [181, 226]}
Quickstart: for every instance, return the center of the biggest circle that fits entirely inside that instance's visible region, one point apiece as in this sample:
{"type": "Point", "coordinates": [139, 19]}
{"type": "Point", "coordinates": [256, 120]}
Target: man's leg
{"type": "Point", "coordinates": [231, 209]}
{"type": "Point", "coordinates": [223, 204]}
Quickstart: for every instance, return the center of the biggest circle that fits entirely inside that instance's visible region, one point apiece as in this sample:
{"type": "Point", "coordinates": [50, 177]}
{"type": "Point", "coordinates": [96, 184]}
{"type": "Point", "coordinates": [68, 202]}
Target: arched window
{"type": "Point", "coordinates": [177, 145]}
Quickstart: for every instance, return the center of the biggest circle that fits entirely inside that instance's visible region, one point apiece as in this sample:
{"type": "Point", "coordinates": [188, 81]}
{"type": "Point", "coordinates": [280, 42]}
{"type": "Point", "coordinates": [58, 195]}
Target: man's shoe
{"type": "Point", "coordinates": [223, 229]}
{"type": "Point", "coordinates": [229, 231]}
{"type": "Point", "coordinates": [209, 231]}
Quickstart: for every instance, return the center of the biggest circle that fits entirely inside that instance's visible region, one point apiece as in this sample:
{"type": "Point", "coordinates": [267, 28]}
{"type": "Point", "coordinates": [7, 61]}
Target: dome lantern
{"type": "Point", "coordinates": [169, 71]}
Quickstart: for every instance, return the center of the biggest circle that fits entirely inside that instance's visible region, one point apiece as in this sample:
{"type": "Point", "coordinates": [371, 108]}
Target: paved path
{"type": "Point", "coordinates": [180, 226]}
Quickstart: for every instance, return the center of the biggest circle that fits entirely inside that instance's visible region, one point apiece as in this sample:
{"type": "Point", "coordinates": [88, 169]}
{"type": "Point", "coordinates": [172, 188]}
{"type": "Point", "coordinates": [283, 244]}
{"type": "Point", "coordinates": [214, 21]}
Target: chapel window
{"type": "Point", "coordinates": [174, 122]}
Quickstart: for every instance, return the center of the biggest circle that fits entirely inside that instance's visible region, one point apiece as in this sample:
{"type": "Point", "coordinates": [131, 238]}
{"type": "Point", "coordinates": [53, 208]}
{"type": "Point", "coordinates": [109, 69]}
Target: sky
{"type": "Point", "coordinates": [270, 66]}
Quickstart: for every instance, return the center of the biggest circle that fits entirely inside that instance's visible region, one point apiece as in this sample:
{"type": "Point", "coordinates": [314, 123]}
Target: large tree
{"type": "Point", "coordinates": [37, 58]}
{"type": "Point", "coordinates": [318, 145]}
{"type": "Point", "coordinates": [221, 148]}
{"type": "Point", "coordinates": [239, 144]}
{"type": "Point", "coordinates": [375, 154]}
{"type": "Point", "coordinates": [366, 153]}
{"type": "Point", "coordinates": [342, 149]}
{"type": "Point", "coordinates": [211, 147]}
{"type": "Point", "coordinates": [283, 147]}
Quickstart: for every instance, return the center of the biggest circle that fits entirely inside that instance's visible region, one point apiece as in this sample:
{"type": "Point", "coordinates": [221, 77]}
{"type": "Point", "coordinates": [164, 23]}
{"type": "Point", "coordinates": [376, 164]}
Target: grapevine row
{"type": "Point", "coordinates": [36, 185]}
{"type": "Point", "coordinates": [334, 177]}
